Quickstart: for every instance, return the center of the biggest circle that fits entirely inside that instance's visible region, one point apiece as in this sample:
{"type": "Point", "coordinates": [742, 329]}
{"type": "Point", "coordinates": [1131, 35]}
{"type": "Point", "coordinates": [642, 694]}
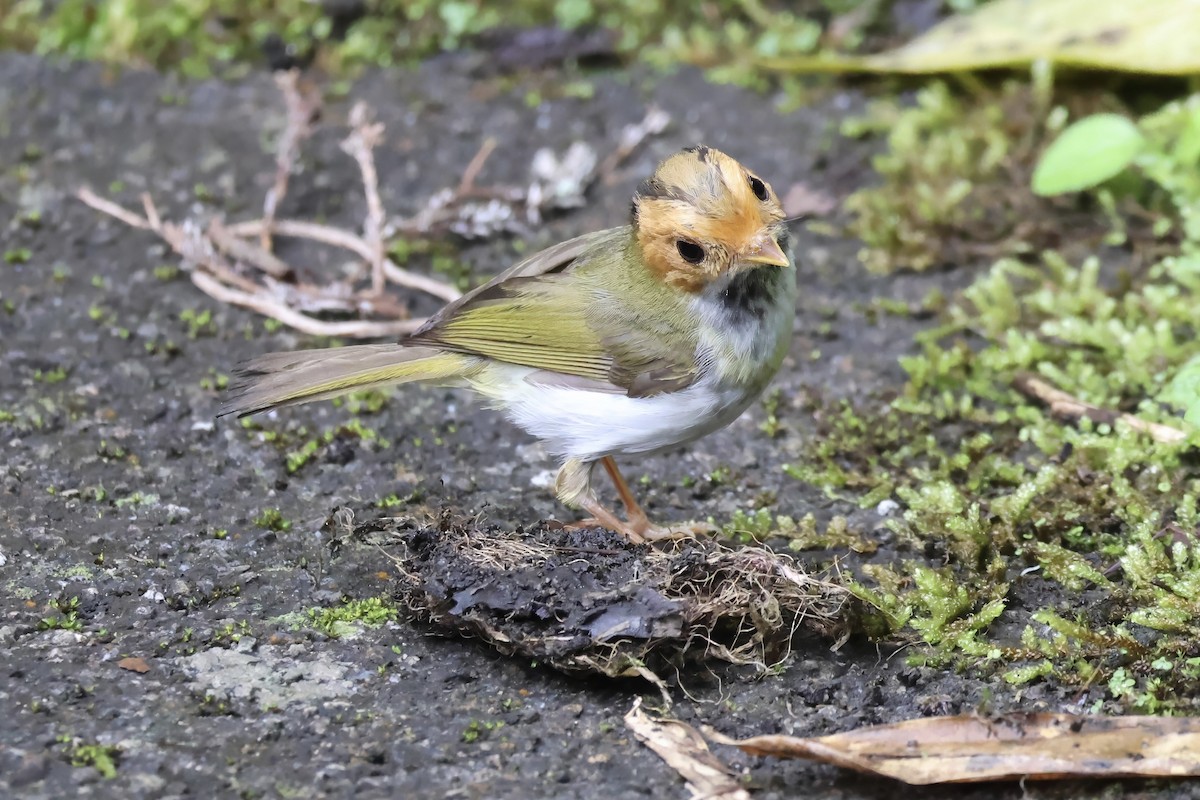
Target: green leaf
{"type": "Point", "coordinates": [1086, 154]}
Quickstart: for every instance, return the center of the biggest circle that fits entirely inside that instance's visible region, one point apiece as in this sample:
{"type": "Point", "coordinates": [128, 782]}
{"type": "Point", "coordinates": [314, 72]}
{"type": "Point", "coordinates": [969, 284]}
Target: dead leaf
{"type": "Point", "coordinates": [1160, 37]}
{"type": "Point", "coordinates": [134, 664]}
{"type": "Point", "coordinates": [969, 749]}
{"type": "Point", "coordinates": [803, 200]}
{"type": "Point", "coordinates": [686, 752]}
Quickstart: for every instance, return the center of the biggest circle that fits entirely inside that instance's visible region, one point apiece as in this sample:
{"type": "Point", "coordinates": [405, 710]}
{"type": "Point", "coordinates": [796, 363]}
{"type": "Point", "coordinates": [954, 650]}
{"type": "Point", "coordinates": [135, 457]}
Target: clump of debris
{"type": "Point", "coordinates": [588, 601]}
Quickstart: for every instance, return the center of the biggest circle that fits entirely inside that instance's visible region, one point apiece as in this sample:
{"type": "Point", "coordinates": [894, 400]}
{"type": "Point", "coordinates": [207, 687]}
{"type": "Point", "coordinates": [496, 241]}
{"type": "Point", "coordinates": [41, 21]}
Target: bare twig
{"type": "Point", "coordinates": [112, 209]}
{"type": "Point", "coordinates": [243, 251]}
{"type": "Point", "coordinates": [216, 278]}
{"type": "Point", "coordinates": [557, 182]}
{"type": "Point", "coordinates": [223, 259]}
{"type": "Point", "coordinates": [336, 237]}
{"type": "Point", "coordinates": [303, 102]}
{"type": "Point", "coordinates": [466, 183]}
{"type": "Point", "coordinates": [1068, 407]}
{"type": "Point", "coordinates": [360, 145]}
{"type": "Point", "coordinates": [301, 322]}
{"type": "Point", "coordinates": [632, 136]}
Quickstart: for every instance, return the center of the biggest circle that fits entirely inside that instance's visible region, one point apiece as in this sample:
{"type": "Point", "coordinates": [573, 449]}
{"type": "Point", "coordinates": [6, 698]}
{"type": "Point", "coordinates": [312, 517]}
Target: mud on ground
{"type": "Point", "coordinates": [140, 528]}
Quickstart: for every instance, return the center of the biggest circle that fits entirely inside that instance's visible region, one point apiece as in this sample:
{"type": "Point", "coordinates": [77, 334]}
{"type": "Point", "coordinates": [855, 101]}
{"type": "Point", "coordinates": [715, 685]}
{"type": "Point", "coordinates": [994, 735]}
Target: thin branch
{"type": "Point", "coordinates": [466, 184]}
{"type": "Point", "coordinates": [239, 250]}
{"type": "Point", "coordinates": [110, 208]}
{"type": "Point", "coordinates": [653, 123]}
{"type": "Point", "coordinates": [303, 103]}
{"type": "Point", "coordinates": [1067, 407]}
{"type": "Point", "coordinates": [223, 258]}
{"type": "Point", "coordinates": [336, 237]}
{"type": "Point", "coordinates": [301, 322]}
{"type": "Point", "coordinates": [360, 145]}
{"type": "Point", "coordinates": [216, 278]}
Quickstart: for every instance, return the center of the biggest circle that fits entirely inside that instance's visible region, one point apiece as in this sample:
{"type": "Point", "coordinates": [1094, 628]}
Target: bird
{"type": "Point", "coordinates": [625, 342]}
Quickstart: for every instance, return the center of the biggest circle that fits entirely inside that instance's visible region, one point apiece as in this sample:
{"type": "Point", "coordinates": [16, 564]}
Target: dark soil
{"type": "Point", "coordinates": [132, 524]}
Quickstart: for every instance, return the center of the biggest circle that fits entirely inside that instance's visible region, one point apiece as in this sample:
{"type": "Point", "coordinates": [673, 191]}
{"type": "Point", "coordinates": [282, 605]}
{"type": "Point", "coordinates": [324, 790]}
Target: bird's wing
{"type": "Point", "coordinates": [540, 314]}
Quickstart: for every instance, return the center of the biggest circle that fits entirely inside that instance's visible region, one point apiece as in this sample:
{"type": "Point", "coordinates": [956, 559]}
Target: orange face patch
{"type": "Point", "coordinates": [698, 213]}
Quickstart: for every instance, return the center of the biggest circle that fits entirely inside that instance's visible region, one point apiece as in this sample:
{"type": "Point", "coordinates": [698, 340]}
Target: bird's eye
{"type": "Point", "coordinates": [759, 188]}
{"type": "Point", "coordinates": [690, 251]}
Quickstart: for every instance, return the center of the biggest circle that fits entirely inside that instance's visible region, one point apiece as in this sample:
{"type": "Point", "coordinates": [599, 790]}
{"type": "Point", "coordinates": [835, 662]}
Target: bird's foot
{"type": "Point", "coordinates": [638, 529]}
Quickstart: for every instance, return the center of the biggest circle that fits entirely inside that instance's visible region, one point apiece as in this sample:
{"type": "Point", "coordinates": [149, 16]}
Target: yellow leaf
{"type": "Point", "coordinates": [1160, 37]}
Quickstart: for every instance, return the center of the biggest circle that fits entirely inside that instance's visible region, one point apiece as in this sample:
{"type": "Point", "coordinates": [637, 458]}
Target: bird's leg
{"type": "Point", "coordinates": [635, 516]}
{"type": "Point", "coordinates": [573, 485]}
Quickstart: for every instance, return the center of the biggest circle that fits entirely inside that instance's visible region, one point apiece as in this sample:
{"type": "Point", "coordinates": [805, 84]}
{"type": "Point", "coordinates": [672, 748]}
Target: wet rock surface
{"type": "Point", "coordinates": [133, 525]}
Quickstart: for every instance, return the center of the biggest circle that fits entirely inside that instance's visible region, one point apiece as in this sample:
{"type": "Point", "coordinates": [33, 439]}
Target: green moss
{"type": "Point", "coordinates": [363, 402]}
{"type": "Point", "coordinates": [56, 375]}
{"type": "Point", "coordinates": [214, 381]}
{"type": "Point", "coordinates": [200, 36]}
{"type": "Point", "coordinates": [954, 179]}
{"type": "Point", "coordinates": [297, 458]}
{"type": "Point", "coordinates": [352, 615]}
{"type": "Point", "coordinates": [137, 500]}
{"type": "Point", "coordinates": [102, 758]}
{"type": "Point", "coordinates": [198, 323]}
{"type": "Point", "coordinates": [18, 255]}
{"type": "Point", "coordinates": [231, 633]}
{"type": "Point", "coordinates": [480, 729]}
{"type": "Point", "coordinates": [1000, 499]}
{"type": "Point", "coordinates": [67, 618]}
{"type": "Point", "coordinates": [272, 519]}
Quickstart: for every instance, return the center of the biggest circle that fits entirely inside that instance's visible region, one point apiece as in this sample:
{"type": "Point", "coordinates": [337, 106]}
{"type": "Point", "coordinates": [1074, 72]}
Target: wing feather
{"type": "Point", "coordinates": [551, 313]}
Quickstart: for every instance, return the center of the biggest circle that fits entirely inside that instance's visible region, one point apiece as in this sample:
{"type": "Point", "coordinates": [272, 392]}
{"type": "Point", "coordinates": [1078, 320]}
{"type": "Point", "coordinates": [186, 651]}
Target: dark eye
{"type": "Point", "coordinates": [690, 251]}
{"type": "Point", "coordinates": [759, 188]}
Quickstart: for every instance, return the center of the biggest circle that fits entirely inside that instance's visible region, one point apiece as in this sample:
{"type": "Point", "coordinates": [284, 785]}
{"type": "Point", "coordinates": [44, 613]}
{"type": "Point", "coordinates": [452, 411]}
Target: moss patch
{"type": "Point", "coordinates": [1035, 547]}
{"type": "Point", "coordinates": [955, 176]}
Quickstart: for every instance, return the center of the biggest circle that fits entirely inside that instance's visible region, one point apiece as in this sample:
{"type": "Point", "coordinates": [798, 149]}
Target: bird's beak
{"type": "Point", "coordinates": [766, 251]}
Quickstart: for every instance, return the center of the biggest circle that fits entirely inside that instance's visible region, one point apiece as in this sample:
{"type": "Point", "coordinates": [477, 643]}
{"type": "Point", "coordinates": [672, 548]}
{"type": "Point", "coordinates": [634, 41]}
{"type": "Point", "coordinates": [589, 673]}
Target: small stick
{"type": "Point", "coordinates": [213, 276]}
{"type": "Point", "coordinates": [112, 209]}
{"type": "Point", "coordinates": [303, 105]}
{"type": "Point", "coordinates": [336, 237]}
{"type": "Point", "coordinates": [466, 183]}
{"type": "Point", "coordinates": [245, 252]}
{"type": "Point", "coordinates": [1072, 408]}
{"type": "Point", "coordinates": [654, 123]}
{"type": "Point", "coordinates": [360, 144]}
{"type": "Point", "coordinates": [301, 322]}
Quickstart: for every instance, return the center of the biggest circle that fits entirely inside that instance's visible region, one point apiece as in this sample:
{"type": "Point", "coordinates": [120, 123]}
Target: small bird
{"type": "Point", "coordinates": [628, 341]}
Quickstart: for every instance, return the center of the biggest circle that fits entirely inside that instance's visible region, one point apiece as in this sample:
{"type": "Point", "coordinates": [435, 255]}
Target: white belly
{"type": "Point", "coordinates": [739, 350]}
{"type": "Point", "coordinates": [583, 424]}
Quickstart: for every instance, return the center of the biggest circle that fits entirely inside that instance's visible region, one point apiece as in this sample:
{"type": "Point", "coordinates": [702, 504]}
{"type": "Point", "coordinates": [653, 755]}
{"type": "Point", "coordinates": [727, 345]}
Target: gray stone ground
{"type": "Point", "coordinates": [116, 479]}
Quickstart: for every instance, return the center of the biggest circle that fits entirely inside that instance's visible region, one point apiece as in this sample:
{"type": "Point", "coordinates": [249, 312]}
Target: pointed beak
{"type": "Point", "coordinates": [766, 251]}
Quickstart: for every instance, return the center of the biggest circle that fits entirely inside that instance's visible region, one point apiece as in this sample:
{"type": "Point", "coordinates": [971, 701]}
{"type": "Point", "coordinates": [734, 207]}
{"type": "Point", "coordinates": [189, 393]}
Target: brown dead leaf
{"type": "Point", "coordinates": [803, 200]}
{"type": "Point", "coordinates": [969, 749]}
{"type": "Point", "coordinates": [686, 752]}
{"type": "Point", "coordinates": [134, 664]}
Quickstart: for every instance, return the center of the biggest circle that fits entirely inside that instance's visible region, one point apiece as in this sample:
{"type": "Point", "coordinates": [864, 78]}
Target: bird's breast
{"type": "Point", "coordinates": [747, 325]}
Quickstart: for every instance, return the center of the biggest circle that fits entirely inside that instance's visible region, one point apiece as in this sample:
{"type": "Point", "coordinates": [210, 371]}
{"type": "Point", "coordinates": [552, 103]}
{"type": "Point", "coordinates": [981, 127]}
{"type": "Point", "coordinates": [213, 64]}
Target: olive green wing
{"type": "Point", "coordinates": [552, 313]}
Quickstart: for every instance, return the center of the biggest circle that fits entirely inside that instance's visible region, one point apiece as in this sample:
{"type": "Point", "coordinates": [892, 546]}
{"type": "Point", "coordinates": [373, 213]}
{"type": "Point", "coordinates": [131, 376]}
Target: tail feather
{"type": "Point", "coordinates": [303, 376]}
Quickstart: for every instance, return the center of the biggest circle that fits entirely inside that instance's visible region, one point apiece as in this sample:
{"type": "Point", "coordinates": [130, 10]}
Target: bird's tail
{"type": "Point", "coordinates": [302, 376]}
